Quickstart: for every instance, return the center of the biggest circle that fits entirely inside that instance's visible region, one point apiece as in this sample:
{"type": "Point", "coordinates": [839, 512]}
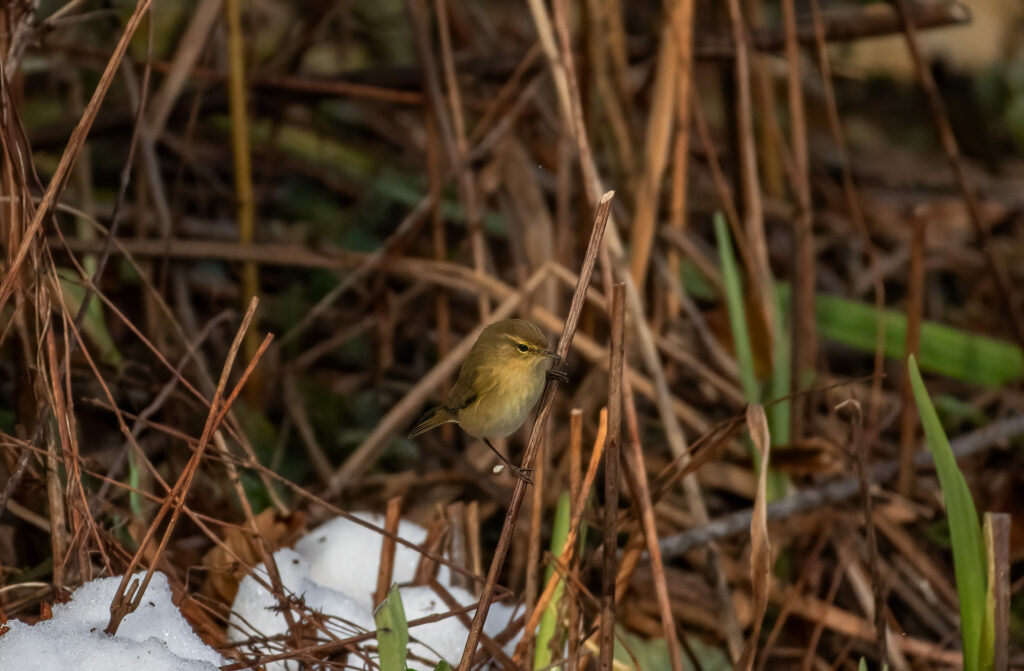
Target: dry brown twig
{"type": "Point", "coordinates": [803, 336]}
{"type": "Point", "coordinates": [55, 448]}
{"type": "Point", "coordinates": [387, 550]}
{"type": "Point", "coordinates": [760, 548]}
{"type": "Point", "coordinates": [915, 314]}
{"type": "Point", "coordinates": [997, 542]}
{"type": "Point", "coordinates": [575, 483]}
{"type": "Point", "coordinates": [940, 118]}
{"type": "Point", "coordinates": [637, 470]}
{"type": "Point", "coordinates": [452, 129]}
{"type": "Point", "coordinates": [127, 600]}
{"type": "Point", "coordinates": [536, 512]}
{"type": "Point", "coordinates": [681, 14]}
{"type": "Point", "coordinates": [245, 199]}
{"type": "Point", "coordinates": [190, 47]}
{"type": "Point", "coordinates": [758, 269]}
{"type": "Point", "coordinates": [611, 477]}
{"type": "Point", "coordinates": [656, 150]}
{"type": "Point", "coordinates": [568, 549]}
{"type": "Point", "coordinates": [858, 451]}
{"type": "Point", "coordinates": [74, 147]}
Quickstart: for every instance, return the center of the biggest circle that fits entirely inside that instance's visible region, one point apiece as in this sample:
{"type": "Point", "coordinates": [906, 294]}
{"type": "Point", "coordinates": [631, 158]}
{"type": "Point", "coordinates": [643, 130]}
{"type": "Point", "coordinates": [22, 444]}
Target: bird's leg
{"type": "Point", "coordinates": [521, 473]}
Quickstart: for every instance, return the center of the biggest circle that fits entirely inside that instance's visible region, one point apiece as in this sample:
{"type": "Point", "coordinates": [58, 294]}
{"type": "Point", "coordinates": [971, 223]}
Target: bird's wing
{"type": "Point", "coordinates": [461, 395]}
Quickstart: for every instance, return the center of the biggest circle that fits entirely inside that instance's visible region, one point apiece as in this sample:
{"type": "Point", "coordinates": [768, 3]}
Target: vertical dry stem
{"type": "Point", "coordinates": [658, 141]}
{"type": "Point", "coordinates": [56, 440]}
{"type": "Point", "coordinates": [575, 482]}
{"type": "Point", "coordinates": [242, 157]}
{"type": "Point", "coordinates": [536, 520]}
{"type": "Point", "coordinates": [859, 452]}
{"type": "Point", "coordinates": [753, 214]}
{"type": "Point", "coordinates": [803, 327]}
{"type": "Point", "coordinates": [611, 477]}
{"type": "Point", "coordinates": [387, 550]}
{"type": "Point", "coordinates": [915, 307]}
{"type": "Point", "coordinates": [997, 542]}
{"type": "Point", "coordinates": [453, 140]}
{"type": "Point", "coordinates": [682, 15]}
{"type": "Point", "coordinates": [638, 471]}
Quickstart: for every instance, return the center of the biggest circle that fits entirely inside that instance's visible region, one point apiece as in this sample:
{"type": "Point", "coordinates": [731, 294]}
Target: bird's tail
{"type": "Point", "coordinates": [433, 419]}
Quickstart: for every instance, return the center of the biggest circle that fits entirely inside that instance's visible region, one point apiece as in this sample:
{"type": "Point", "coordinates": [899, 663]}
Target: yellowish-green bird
{"type": "Point", "coordinates": [499, 383]}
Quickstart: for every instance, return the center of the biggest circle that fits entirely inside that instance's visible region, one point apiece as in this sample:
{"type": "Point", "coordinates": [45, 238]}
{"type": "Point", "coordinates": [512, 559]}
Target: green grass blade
{"type": "Point", "coordinates": [94, 325]}
{"type": "Point", "coordinates": [542, 656]}
{"type": "Point", "coordinates": [778, 484]}
{"type": "Point", "coordinates": [951, 352]}
{"type": "Point", "coordinates": [969, 561]}
{"type": "Point", "coordinates": [392, 632]}
{"type": "Point", "coordinates": [944, 350]}
{"type": "Point", "coordinates": [737, 314]}
{"type": "Point", "coordinates": [134, 481]}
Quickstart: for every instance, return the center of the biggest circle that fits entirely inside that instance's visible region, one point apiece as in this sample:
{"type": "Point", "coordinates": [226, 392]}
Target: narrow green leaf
{"type": "Point", "coordinates": [778, 484]}
{"type": "Point", "coordinates": [93, 326]}
{"type": "Point", "coordinates": [737, 312]}
{"type": "Point", "coordinates": [542, 656]}
{"type": "Point", "coordinates": [443, 666]}
{"type": "Point", "coordinates": [944, 350]}
{"type": "Point", "coordinates": [639, 653]}
{"type": "Point", "coordinates": [969, 561]}
{"type": "Point", "coordinates": [392, 632]}
{"type": "Point", "coordinates": [134, 480]}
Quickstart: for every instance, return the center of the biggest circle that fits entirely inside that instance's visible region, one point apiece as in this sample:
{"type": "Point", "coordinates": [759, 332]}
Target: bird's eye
{"type": "Point", "coordinates": [522, 347]}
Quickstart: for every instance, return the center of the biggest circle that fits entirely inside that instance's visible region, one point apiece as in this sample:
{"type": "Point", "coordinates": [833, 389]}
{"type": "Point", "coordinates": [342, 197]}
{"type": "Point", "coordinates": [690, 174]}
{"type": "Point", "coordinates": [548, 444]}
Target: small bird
{"type": "Point", "coordinates": [498, 384]}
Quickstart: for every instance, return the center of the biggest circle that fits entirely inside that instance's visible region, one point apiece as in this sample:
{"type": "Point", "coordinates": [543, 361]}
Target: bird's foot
{"type": "Point", "coordinates": [559, 371]}
{"type": "Point", "coordinates": [523, 474]}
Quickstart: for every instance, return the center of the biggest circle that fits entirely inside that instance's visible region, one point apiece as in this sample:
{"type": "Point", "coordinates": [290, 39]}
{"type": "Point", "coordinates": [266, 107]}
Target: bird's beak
{"type": "Point", "coordinates": [551, 355]}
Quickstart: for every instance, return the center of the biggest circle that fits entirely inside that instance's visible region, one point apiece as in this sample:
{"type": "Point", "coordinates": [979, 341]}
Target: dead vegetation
{"type": "Point", "coordinates": [246, 244]}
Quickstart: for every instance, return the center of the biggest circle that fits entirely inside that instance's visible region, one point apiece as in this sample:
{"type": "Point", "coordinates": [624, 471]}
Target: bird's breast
{"type": "Point", "coordinates": [503, 408]}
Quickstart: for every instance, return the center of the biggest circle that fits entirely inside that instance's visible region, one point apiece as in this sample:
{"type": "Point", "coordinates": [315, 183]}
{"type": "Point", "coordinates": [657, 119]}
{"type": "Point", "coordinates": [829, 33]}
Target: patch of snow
{"type": "Point", "coordinates": [334, 570]}
{"type": "Point", "coordinates": [155, 635]}
{"type": "Point", "coordinates": [360, 547]}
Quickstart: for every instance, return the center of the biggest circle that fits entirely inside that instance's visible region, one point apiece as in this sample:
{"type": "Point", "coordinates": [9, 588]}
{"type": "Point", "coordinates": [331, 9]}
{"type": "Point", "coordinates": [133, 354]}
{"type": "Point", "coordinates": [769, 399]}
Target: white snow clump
{"type": "Point", "coordinates": [334, 570]}
{"type": "Point", "coordinates": [155, 635]}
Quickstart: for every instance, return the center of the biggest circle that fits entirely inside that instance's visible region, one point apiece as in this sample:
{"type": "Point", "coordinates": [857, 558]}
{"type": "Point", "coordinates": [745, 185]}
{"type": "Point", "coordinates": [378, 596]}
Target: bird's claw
{"type": "Point", "coordinates": [523, 474]}
{"type": "Point", "coordinates": [559, 371]}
